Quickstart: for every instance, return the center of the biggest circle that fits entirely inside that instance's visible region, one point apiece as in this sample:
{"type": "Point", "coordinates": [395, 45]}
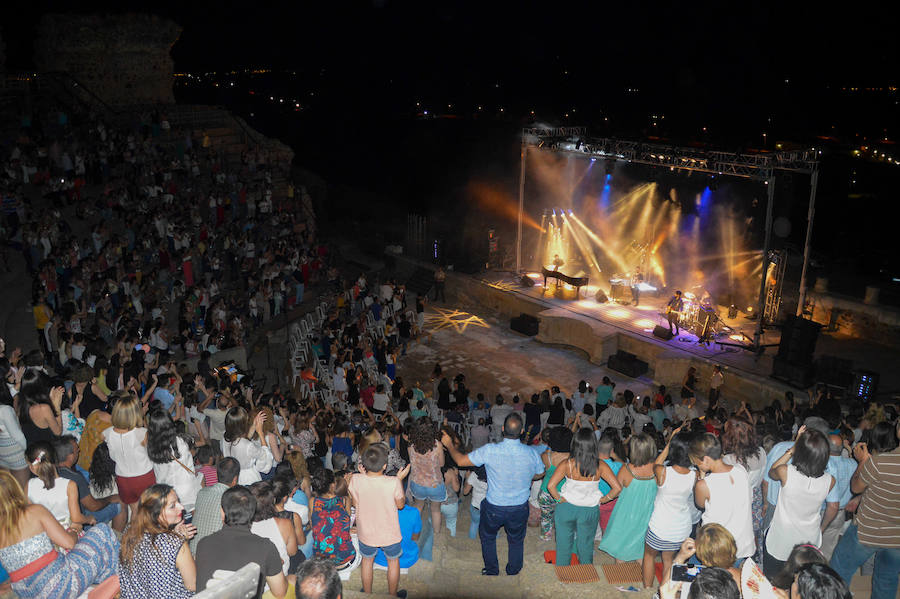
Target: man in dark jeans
{"type": "Point", "coordinates": [511, 466]}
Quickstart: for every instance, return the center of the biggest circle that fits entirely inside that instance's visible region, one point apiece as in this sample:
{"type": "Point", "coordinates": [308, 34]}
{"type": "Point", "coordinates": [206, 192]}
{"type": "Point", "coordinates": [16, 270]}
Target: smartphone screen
{"type": "Point", "coordinates": [685, 572]}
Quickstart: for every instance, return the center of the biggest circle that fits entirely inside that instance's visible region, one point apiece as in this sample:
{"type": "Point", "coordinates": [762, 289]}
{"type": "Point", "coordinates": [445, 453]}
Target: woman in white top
{"type": "Point", "coordinates": [127, 443]}
{"type": "Point", "coordinates": [577, 515]}
{"type": "Point", "coordinates": [723, 491]}
{"type": "Point", "coordinates": [804, 485]}
{"type": "Point", "coordinates": [173, 463]}
{"type": "Point", "coordinates": [253, 456]}
{"type": "Point", "coordinates": [670, 523]}
{"type": "Point", "coordinates": [278, 530]}
{"type": "Point", "coordinates": [49, 489]}
{"type": "Point", "coordinates": [477, 484]}
{"type": "Point", "coordinates": [741, 446]}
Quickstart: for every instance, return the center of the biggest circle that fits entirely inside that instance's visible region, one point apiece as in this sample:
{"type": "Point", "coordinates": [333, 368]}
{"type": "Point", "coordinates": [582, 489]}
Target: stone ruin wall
{"type": "Point", "coordinates": [123, 59]}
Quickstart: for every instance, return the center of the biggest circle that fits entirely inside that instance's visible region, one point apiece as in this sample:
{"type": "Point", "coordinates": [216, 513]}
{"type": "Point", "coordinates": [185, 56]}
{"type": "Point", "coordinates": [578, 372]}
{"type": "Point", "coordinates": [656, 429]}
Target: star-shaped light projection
{"type": "Point", "coordinates": [441, 318]}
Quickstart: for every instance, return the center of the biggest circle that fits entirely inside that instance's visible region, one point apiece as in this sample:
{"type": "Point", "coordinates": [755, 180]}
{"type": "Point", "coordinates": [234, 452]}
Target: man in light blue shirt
{"type": "Point", "coordinates": [842, 470]}
{"type": "Point", "coordinates": [511, 466]}
{"type": "Point", "coordinates": [771, 487]}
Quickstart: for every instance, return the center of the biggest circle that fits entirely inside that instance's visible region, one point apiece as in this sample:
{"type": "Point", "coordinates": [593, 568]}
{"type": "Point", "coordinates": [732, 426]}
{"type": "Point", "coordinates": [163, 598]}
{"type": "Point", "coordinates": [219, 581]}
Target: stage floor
{"type": "Point", "coordinates": [640, 320]}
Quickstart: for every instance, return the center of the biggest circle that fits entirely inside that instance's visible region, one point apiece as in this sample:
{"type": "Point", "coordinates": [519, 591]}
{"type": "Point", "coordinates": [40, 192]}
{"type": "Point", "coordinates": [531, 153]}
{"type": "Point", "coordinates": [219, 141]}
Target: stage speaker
{"type": "Point", "coordinates": [627, 364]}
{"type": "Point", "coordinates": [663, 333]}
{"type": "Point", "coordinates": [798, 340]}
{"type": "Point", "coordinates": [525, 324]}
{"type": "Point", "coordinates": [834, 371]}
{"type": "Point", "coordinates": [526, 281]}
{"type": "Point", "coordinates": [800, 376]}
{"type": "Point", "coordinates": [601, 297]}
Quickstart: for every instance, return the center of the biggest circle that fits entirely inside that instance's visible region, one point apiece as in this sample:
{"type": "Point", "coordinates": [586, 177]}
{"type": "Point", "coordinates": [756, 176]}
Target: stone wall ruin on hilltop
{"type": "Point", "coordinates": [123, 59]}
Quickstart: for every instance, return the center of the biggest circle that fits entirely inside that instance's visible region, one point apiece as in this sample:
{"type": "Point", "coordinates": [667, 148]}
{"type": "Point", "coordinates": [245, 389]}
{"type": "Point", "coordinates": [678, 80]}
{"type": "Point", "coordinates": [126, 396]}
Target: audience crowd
{"type": "Point", "coordinates": [120, 459]}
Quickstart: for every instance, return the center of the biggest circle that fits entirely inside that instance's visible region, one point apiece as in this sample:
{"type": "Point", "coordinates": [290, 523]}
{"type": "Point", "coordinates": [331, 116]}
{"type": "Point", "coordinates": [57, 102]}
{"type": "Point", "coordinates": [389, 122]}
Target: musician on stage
{"type": "Point", "coordinates": [636, 279]}
{"type": "Point", "coordinates": [674, 307]}
{"type": "Point", "coordinates": [557, 262]}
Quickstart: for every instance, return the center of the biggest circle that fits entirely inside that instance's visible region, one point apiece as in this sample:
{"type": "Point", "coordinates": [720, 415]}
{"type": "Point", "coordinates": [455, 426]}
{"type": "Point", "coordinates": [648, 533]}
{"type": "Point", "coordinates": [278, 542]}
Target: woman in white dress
{"type": "Point", "coordinates": [253, 456]}
{"type": "Point", "coordinates": [804, 485]}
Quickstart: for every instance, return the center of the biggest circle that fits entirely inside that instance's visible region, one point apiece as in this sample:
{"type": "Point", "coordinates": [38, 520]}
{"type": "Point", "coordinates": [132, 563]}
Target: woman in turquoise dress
{"type": "Point", "coordinates": [29, 538]}
{"type": "Point", "coordinates": [624, 535]}
{"type": "Point", "coordinates": [330, 520]}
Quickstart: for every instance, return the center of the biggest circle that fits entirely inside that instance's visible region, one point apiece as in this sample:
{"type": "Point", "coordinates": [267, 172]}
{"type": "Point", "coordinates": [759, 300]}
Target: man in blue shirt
{"type": "Point", "coordinates": [842, 470]}
{"type": "Point", "coordinates": [511, 466]}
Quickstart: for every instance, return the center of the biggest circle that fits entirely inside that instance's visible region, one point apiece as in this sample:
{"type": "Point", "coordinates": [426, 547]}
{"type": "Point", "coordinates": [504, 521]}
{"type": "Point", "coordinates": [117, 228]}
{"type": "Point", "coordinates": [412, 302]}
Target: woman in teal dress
{"type": "Point", "coordinates": [624, 535]}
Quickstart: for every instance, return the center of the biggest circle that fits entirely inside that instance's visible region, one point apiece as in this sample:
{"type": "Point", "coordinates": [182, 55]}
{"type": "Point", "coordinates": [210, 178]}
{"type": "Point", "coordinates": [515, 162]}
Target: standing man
{"type": "Point", "coordinates": [511, 466]}
{"type": "Point", "coordinates": [439, 277]}
{"type": "Point", "coordinates": [842, 470]}
{"type": "Point", "coordinates": [636, 279]}
{"type": "Point", "coordinates": [877, 527]}
{"type": "Point", "coordinates": [673, 311]}
{"type": "Point", "coordinates": [715, 384]}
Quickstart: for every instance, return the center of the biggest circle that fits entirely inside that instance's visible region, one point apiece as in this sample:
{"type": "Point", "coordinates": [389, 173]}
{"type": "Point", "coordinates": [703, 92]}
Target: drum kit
{"type": "Point", "coordinates": [700, 317]}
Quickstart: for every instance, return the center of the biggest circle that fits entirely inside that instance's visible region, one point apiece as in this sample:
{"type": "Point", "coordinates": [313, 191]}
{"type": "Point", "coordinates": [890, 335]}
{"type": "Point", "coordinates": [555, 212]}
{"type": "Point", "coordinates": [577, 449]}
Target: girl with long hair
{"type": "Point", "coordinates": [426, 482]}
{"type": "Point", "coordinates": [741, 445]}
{"type": "Point", "coordinates": [627, 528]}
{"type": "Point", "coordinates": [173, 463]}
{"type": "Point", "coordinates": [103, 473]}
{"type": "Point", "coordinates": [40, 407]}
{"type": "Point", "coordinates": [670, 524]}
{"type": "Point", "coordinates": [155, 560]}
{"type": "Point", "coordinates": [577, 514]}
{"type": "Point", "coordinates": [28, 536]}
{"type": "Point", "coordinates": [253, 456]}
{"type": "Point", "coordinates": [49, 489]}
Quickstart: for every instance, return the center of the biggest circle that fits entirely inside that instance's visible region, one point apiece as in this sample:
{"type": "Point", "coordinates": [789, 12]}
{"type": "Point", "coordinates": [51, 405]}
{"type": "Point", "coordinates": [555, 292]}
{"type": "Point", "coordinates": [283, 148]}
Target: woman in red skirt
{"type": "Point", "coordinates": [127, 442]}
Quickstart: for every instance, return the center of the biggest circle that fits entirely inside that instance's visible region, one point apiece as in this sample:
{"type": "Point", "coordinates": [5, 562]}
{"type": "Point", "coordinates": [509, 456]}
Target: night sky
{"type": "Point", "coordinates": [721, 73]}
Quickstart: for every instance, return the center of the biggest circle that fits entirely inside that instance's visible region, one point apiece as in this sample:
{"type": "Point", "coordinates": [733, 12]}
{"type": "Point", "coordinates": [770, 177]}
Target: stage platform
{"type": "Point", "coordinates": [602, 329]}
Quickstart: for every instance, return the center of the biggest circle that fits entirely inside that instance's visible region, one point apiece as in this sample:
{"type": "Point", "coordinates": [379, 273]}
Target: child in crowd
{"type": "Point", "coordinates": [378, 499]}
{"type": "Point", "coordinates": [206, 457]}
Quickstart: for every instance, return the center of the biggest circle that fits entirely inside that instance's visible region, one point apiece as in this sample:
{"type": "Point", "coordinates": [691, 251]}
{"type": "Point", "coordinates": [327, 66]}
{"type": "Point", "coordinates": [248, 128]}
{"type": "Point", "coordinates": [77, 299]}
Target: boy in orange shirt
{"type": "Point", "coordinates": [378, 499]}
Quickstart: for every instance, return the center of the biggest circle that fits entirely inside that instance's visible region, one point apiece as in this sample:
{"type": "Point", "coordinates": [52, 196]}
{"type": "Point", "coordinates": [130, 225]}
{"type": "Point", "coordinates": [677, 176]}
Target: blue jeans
{"type": "Point", "coordinates": [106, 513]}
{"type": "Point", "coordinates": [476, 518]}
{"type": "Point", "coordinates": [850, 554]}
{"type": "Point", "coordinates": [513, 518]}
{"type": "Point", "coordinates": [450, 512]}
{"type": "Point", "coordinates": [298, 294]}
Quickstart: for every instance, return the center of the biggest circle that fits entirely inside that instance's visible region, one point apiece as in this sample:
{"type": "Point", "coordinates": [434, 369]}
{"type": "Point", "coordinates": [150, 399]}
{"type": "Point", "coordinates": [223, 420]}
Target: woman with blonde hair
{"type": "Point", "coordinates": [714, 547]}
{"type": "Point", "coordinates": [253, 456]}
{"type": "Point", "coordinates": [127, 443]}
{"type": "Point", "coordinates": [28, 534]}
{"type": "Point", "coordinates": [155, 560]}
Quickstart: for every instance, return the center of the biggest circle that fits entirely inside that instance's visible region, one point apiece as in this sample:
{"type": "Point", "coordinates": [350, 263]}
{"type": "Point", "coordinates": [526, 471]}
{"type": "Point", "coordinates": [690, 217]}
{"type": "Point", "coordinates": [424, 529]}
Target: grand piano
{"type": "Point", "coordinates": [576, 282]}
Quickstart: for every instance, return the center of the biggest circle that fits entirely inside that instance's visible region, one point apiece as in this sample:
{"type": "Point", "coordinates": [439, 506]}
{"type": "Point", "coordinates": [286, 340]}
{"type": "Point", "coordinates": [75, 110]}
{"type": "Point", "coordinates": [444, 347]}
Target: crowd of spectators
{"type": "Point", "coordinates": [118, 458]}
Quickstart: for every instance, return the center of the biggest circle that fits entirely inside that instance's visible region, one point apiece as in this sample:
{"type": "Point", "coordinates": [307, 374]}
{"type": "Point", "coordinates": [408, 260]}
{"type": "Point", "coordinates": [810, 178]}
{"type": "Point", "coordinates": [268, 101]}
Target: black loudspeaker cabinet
{"type": "Point", "coordinates": [663, 333]}
{"type": "Point", "coordinates": [798, 340]}
{"type": "Point", "coordinates": [800, 376]}
{"type": "Point", "coordinates": [525, 324]}
{"type": "Point", "coordinates": [627, 364]}
{"type": "Point", "coordinates": [526, 281]}
{"type": "Point", "coordinates": [834, 371]}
